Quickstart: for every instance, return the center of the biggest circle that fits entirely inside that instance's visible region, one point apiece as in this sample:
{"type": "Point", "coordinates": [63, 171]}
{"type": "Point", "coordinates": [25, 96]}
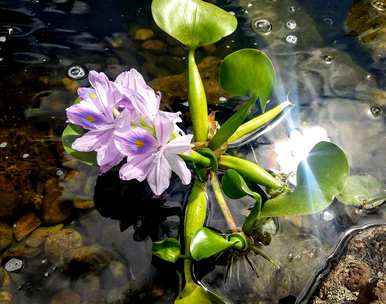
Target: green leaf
{"type": "Point", "coordinates": [320, 178]}
{"type": "Point", "coordinates": [362, 190]}
{"type": "Point", "coordinates": [70, 134]}
{"type": "Point", "coordinates": [235, 187]}
{"type": "Point", "coordinates": [168, 250]}
{"type": "Point", "coordinates": [193, 22]}
{"type": "Point", "coordinates": [248, 72]}
{"type": "Point", "coordinates": [194, 294]}
{"type": "Point", "coordinates": [231, 125]}
{"type": "Point", "coordinates": [207, 243]}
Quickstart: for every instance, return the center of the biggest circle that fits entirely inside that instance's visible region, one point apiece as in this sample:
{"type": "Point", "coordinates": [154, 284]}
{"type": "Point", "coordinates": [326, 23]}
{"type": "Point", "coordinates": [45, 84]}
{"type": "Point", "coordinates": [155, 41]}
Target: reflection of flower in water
{"type": "Point", "coordinates": [296, 148]}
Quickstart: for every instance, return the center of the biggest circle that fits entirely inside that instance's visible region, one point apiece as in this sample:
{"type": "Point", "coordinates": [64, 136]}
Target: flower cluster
{"type": "Point", "coordinates": [123, 120]}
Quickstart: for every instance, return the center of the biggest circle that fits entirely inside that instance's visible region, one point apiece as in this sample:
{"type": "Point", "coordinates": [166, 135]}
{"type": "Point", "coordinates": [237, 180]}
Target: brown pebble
{"type": "Point", "coordinates": [25, 225]}
{"type": "Point", "coordinates": [6, 236]}
{"type": "Point", "coordinates": [66, 297]}
{"type": "Point", "coordinates": [154, 45]}
{"type": "Point", "coordinates": [95, 257]}
{"type": "Point", "coordinates": [55, 210]}
{"type": "Point", "coordinates": [38, 237]}
{"type": "Point", "coordinates": [143, 34]}
{"type": "Point", "coordinates": [81, 203]}
{"type": "Point", "coordinates": [354, 275]}
{"type": "Point", "coordinates": [5, 297]}
{"type": "Point", "coordinates": [59, 245]}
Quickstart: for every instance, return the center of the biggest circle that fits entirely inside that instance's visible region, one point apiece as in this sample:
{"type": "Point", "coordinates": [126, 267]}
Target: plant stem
{"type": "Point", "coordinates": [251, 171]}
{"type": "Point", "coordinates": [222, 203]}
{"type": "Point", "coordinates": [196, 158]}
{"type": "Point", "coordinates": [258, 121]}
{"type": "Point", "coordinates": [197, 100]}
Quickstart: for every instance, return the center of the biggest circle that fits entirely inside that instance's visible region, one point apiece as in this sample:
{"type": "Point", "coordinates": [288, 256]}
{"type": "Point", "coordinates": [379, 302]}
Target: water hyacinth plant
{"type": "Point", "coordinates": [119, 123]}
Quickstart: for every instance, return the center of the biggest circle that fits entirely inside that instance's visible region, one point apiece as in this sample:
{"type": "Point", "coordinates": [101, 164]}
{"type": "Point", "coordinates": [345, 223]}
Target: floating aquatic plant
{"type": "Point", "coordinates": [120, 120]}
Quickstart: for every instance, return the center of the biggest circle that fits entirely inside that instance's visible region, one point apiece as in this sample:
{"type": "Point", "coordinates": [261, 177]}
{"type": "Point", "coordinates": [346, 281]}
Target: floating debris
{"type": "Point", "coordinates": [59, 173]}
{"type": "Point", "coordinates": [291, 24]}
{"type": "Point", "coordinates": [291, 39]}
{"type": "Point", "coordinates": [76, 72]}
{"type": "Point", "coordinates": [13, 264]}
{"type": "Point", "coordinates": [328, 59]}
{"type": "Point", "coordinates": [379, 5]}
{"type": "Point", "coordinates": [262, 26]}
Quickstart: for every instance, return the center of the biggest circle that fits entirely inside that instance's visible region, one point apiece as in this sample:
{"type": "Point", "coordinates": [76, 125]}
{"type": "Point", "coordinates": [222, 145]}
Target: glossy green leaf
{"type": "Point", "coordinates": [231, 125]}
{"type": "Point", "coordinates": [193, 22]}
{"type": "Point", "coordinates": [320, 177]}
{"type": "Point", "coordinates": [362, 190]}
{"type": "Point", "coordinates": [235, 187]}
{"type": "Point", "coordinates": [248, 72]}
{"type": "Point", "coordinates": [207, 243]}
{"type": "Point", "coordinates": [196, 294]}
{"type": "Point", "coordinates": [70, 134]}
{"type": "Point", "coordinates": [168, 250]}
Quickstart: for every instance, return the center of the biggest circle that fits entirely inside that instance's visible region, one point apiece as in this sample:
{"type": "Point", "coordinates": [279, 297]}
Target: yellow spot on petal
{"type": "Point", "coordinates": [90, 118]}
{"type": "Point", "coordinates": [139, 143]}
{"type": "Point", "coordinates": [93, 96]}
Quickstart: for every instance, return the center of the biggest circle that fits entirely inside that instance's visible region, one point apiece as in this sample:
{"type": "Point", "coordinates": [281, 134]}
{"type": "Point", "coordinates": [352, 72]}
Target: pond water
{"type": "Point", "coordinates": [70, 235]}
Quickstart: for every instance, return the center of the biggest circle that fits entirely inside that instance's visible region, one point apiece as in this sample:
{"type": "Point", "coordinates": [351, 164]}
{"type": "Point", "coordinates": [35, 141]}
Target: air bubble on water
{"type": "Point", "coordinates": [262, 26]}
{"type": "Point", "coordinates": [328, 216]}
{"type": "Point", "coordinates": [291, 24]}
{"type": "Point", "coordinates": [76, 72]}
{"type": "Point", "coordinates": [222, 99]}
{"type": "Point", "coordinates": [292, 9]}
{"type": "Point", "coordinates": [291, 39]}
{"type": "Point", "coordinates": [1, 59]}
{"type": "Point", "coordinates": [369, 76]}
{"type": "Point", "coordinates": [59, 173]}
{"type": "Point", "coordinates": [379, 5]}
{"type": "Point", "coordinates": [3, 39]}
{"type": "Point", "coordinates": [376, 111]}
{"type": "Point", "coordinates": [25, 155]}
{"type": "Point", "coordinates": [13, 264]}
{"type": "Point", "coordinates": [328, 59]}
{"type": "Point", "coordinates": [232, 13]}
{"type": "Point", "coordinates": [3, 144]}
{"type": "Point", "coordinates": [328, 21]}
{"type": "Point", "coordinates": [44, 261]}
{"type": "Point", "coordinates": [227, 46]}
{"type": "Point", "coordinates": [249, 5]}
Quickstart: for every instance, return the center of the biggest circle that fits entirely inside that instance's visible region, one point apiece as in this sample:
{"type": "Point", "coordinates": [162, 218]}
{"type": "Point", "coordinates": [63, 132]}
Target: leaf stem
{"type": "Point", "coordinates": [222, 203]}
{"type": "Point", "coordinates": [196, 158]}
{"type": "Point", "coordinates": [197, 100]}
{"type": "Point", "coordinates": [251, 171]}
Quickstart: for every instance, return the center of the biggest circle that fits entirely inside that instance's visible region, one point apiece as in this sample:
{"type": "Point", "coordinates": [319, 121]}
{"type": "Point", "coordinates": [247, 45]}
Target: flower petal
{"type": "Point", "coordinates": [86, 115]}
{"type": "Point", "coordinates": [159, 175]}
{"type": "Point", "coordinates": [180, 144]}
{"type": "Point", "coordinates": [108, 155]}
{"type": "Point", "coordinates": [164, 128]}
{"type": "Point", "coordinates": [136, 141]}
{"type": "Point", "coordinates": [179, 167]}
{"type": "Point", "coordinates": [91, 141]}
{"type": "Point", "coordinates": [136, 168]}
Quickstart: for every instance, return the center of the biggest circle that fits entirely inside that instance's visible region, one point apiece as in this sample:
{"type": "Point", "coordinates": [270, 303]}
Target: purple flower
{"type": "Point", "coordinates": [154, 156]}
{"type": "Point", "coordinates": [97, 112]}
{"type": "Point", "coordinates": [137, 95]}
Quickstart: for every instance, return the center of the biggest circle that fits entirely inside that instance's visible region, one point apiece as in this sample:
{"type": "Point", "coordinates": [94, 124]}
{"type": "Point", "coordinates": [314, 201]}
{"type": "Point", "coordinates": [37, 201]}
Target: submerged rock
{"type": "Point", "coordinates": [360, 274]}
{"type": "Point", "coordinates": [26, 225]}
{"type": "Point", "coordinates": [6, 236]}
{"type": "Point", "coordinates": [59, 245]}
{"type": "Point", "coordinates": [66, 297]}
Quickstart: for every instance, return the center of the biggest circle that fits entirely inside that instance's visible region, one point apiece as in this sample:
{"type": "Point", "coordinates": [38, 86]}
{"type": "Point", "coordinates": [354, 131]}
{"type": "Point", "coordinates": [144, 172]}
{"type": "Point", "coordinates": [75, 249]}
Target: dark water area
{"type": "Point", "coordinates": [86, 238]}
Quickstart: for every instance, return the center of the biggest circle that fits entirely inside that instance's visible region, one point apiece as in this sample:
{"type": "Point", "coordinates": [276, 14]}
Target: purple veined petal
{"type": "Point", "coordinates": [108, 155]}
{"type": "Point", "coordinates": [136, 141]}
{"type": "Point", "coordinates": [141, 96]}
{"type": "Point", "coordinates": [137, 167]}
{"type": "Point", "coordinates": [123, 120]}
{"type": "Point", "coordinates": [91, 141]}
{"type": "Point", "coordinates": [164, 128]}
{"type": "Point", "coordinates": [179, 167]}
{"type": "Point", "coordinates": [107, 94]}
{"type": "Point", "coordinates": [181, 144]}
{"type": "Point", "coordinates": [86, 115]}
{"type": "Point", "coordinates": [159, 175]}
{"type": "Point", "coordinates": [87, 93]}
